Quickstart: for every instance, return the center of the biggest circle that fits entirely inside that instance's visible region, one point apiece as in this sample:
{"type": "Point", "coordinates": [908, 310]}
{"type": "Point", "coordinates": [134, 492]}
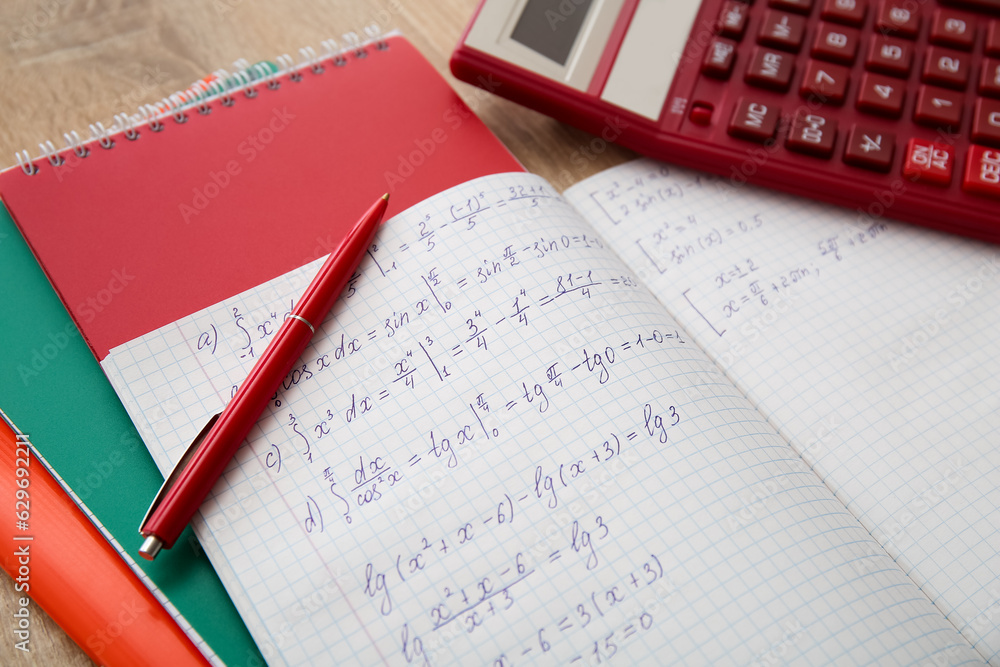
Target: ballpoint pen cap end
{"type": "Point", "coordinates": [150, 547]}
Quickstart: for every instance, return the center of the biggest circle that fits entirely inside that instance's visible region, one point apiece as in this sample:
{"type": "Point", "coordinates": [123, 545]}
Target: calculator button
{"type": "Point", "coordinates": [782, 30]}
{"type": "Point", "coordinates": [733, 19]}
{"type": "Point", "coordinates": [881, 95]}
{"type": "Point", "coordinates": [986, 122]}
{"type": "Point", "coordinates": [770, 69]}
{"type": "Point", "coordinates": [992, 44]}
{"type": "Point", "coordinates": [847, 12]}
{"type": "Point", "coordinates": [890, 56]}
{"type": "Point", "coordinates": [701, 113]}
{"type": "Point", "coordinates": [801, 6]}
{"type": "Point", "coordinates": [898, 17]}
{"type": "Point", "coordinates": [869, 149]}
{"type": "Point", "coordinates": [812, 134]}
{"type": "Point", "coordinates": [719, 58]}
{"type": "Point", "coordinates": [989, 78]}
{"type": "Point", "coordinates": [928, 162]}
{"type": "Point", "coordinates": [825, 82]}
{"type": "Point", "coordinates": [952, 29]}
{"type": "Point", "coordinates": [982, 172]}
{"type": "Point", "coordinates": [835, 43]}
{"type": "Point", "coordinates": [945, 67]}
{"type": "Point", "coordinates": [754, 120]}
{"type": "Point", "coordinates": [937, 107]}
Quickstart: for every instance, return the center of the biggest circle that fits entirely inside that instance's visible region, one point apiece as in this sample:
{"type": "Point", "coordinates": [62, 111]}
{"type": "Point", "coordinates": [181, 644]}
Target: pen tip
{"type": "Point", "coordinates": [386, 196]}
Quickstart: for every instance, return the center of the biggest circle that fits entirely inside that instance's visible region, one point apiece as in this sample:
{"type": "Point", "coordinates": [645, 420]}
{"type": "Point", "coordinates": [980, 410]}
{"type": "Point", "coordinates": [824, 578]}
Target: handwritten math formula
{"type": "Point", "coordinates": [725, 283]}
{"type": "Point", "coordinates": [454, 436]}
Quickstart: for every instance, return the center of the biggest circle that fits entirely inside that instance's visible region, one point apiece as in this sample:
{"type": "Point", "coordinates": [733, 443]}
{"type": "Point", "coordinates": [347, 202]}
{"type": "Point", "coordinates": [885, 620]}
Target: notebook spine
{"type": "Point", "coordinates": [220, 86]}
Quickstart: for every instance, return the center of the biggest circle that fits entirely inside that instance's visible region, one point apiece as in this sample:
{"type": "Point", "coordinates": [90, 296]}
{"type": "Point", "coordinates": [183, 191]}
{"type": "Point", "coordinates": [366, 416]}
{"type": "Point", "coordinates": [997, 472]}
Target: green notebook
{"type": "Point", "coordinates": [55, 391]}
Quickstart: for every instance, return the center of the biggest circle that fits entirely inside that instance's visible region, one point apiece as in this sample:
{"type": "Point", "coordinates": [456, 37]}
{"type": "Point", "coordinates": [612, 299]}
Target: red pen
{"type": "Point", "coordinates": [201, 465]}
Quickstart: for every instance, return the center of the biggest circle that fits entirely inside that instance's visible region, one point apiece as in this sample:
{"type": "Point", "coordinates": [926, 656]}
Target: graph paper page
{"type": "Point", "coordinates": [871, 345]}
{"type": "Point", "coordinates": [501, 450]}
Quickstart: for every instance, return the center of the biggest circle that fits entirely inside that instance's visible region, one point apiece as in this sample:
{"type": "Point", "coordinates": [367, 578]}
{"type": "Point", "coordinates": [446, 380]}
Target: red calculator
{"type": "Point", "coordinates": [886, 107]}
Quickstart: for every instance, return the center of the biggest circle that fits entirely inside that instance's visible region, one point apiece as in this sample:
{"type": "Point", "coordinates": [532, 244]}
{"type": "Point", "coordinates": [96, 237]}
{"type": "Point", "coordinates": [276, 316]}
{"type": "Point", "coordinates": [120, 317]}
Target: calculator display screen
{"type": "Point", "coordinates": [550, 27]}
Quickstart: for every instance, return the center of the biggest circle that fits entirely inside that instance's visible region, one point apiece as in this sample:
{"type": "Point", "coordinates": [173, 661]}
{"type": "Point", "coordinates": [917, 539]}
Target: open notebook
{"type": "Point", "coordinates": [661, 419]}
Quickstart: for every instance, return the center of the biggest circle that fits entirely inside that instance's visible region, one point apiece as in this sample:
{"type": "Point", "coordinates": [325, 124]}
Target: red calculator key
{"type": "Point", "coordinates": [992, 44]}
{"type": "Point", "coordinates": [928, 162]}
{"type": "Point", "coordinates": [898, 17]}
{"type": "Point", "coordinates": [770, 69]}
{"type": "Point", "coordinates": [812, 134]}
{"type": "Point", "coordinates": [881, 95]}
{"type": "Point", "coordinates": [825, 82]}
{"type": "Point", "coordinates": [835, 43]}
{"type": "Point", "coordinates": [847, 12]}
{"type": "Point", "coordinates": [869, 148]}
{"type": "Point", "coordinates": [719, 58]}
{"type": "Point", "coordinates": [954, 29]}
{"type": "Point", "coordinates": [937, 107]}
{"type": "Point", "coordinates": [890, 56]}
{"type": "Point", "coordinates": [989, 78]}
{"type": "Point", "coordinates": [782, 30]}
{"type": "Point", "coordinates": [754, 120]}
{"type": "Point", "coordinates": [982, 172]}
{"type": "Point", "coordinates": [732, 20]}
{"type": "Point", "coordinates": [801, 6]}
{"type": "Point", "coordinates": [944, 67]}
{"type": "Point", "coordinates": [986, 122]}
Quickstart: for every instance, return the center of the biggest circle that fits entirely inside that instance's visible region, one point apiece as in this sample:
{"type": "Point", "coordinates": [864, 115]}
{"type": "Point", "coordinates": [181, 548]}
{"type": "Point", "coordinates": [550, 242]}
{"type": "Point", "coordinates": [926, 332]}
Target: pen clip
{"type": "Point", "coordinates": [178, 469]}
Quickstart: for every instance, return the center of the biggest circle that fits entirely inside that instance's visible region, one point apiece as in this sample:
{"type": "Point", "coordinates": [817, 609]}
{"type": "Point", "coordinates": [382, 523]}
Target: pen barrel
{"type": "Point", "coordinates": [186, 494]}
{"type": "Point", "coordinates": [195, 482]}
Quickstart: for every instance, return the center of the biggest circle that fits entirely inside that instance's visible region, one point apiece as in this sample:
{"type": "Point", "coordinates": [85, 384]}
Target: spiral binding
{"type": "Point", "coordinates": [220, 85]}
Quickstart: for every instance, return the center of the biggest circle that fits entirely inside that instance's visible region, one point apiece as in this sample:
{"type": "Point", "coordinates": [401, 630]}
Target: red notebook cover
{"type": "Point", "coordinates": [151, 229]}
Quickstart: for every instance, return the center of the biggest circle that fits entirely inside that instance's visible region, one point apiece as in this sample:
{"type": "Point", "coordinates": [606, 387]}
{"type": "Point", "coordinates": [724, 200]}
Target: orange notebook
{"type": "Point", "coordinates": [61, 560]}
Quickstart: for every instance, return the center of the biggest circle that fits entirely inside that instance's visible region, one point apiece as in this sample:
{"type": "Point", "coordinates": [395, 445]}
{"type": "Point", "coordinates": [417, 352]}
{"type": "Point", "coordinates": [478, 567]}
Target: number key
{"type": "Point", "coordinates": [835, 43]}
{"type": "Point", "coordinates": [846, 12]}
{"type": "Point", "coordinates": [944, 67]}
{"type": "Point", "coordinates": [812, 134]}
{"type": "Point", "coordinates": [881, 95]}
{"type": "Point", "coordinates": [869, 149]}
{"type": "Point", "coordinates": [937, 107]}
{"type": "Point", "coordinates": [825, 82]}
{"type": "Point", "coordinates": [890, 56]}
{"type": "Point", "coordinates": [898, 17]}
{"type": "Point", "coordinates": [952, 29]}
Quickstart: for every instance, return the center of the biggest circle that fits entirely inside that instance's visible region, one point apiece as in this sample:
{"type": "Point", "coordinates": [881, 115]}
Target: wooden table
{"type": "Point", "coordinates": [67, 63]}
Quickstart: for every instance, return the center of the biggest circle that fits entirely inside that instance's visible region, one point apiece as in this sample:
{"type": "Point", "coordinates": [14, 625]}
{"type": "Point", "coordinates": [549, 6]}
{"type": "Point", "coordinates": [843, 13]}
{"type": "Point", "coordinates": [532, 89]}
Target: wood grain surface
{"type": "Point", "coordinates": [67, 63]}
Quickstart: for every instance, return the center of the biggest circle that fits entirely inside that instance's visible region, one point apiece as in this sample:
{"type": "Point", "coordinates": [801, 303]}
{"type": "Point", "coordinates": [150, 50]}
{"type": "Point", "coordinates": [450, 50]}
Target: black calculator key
{"type": "Point", "coordinates": [770, 69]}
{"type": "Point", "coordinates": [847, 12]}
{"type": "Point", "coordinates": [945, 67]}
{"type": "Point", "coordinates": [870, 149]}
{"type": "Point", "coordinates": [890, 55]}
{"type": "Point", "coordinates": [937, 107]}
{"type": "Point", "coordinates": [836, 43]}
